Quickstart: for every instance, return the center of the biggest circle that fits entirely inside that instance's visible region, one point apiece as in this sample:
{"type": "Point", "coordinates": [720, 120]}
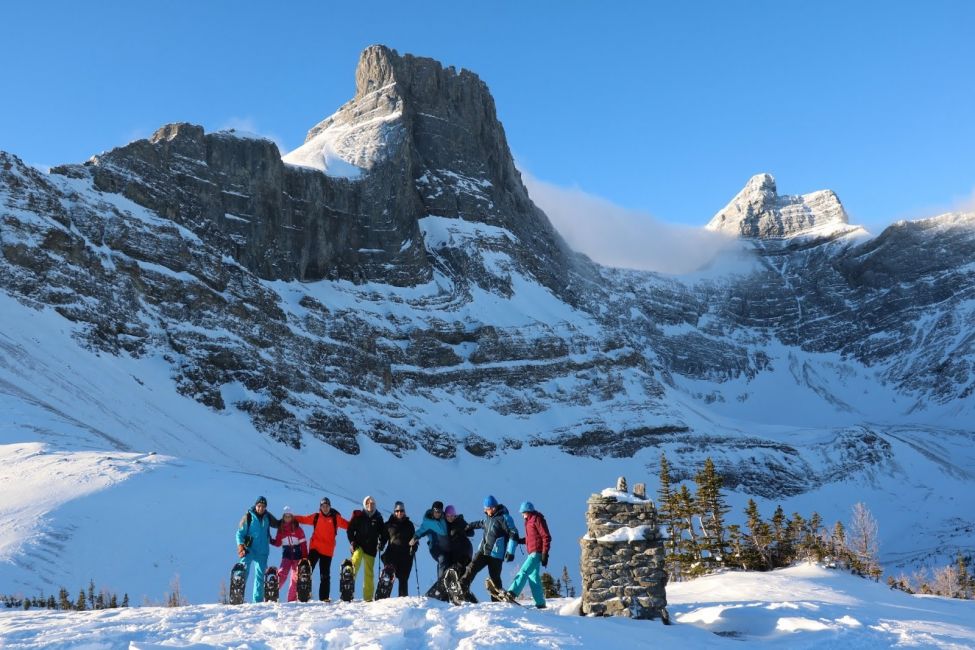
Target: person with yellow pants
{"type": "Point", "coordinates": [367, 537]}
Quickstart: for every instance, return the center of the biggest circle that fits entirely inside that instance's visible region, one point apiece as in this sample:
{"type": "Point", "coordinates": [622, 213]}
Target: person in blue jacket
{"type": "Point", "coordinates": [254, 543]}
{"type": "Point", "coordinates": [498, 544]}
{"type": "Point", "coordinates": [434, 527]}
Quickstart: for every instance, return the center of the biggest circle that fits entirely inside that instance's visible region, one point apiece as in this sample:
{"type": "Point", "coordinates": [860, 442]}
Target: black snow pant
{"type": "Point", "coordinates": [402, 562]}
{"type": "Point", "coordinates": [324, 572]}
{"type": "Point", "coordinates": [480, 561]}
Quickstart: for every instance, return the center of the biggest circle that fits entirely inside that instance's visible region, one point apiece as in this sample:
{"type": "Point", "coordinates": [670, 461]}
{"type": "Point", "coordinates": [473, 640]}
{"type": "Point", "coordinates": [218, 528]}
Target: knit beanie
{"type": "Point", "coordinates": [490, 501]}
{"type": "Point", "coordinates": [450, 511]}
{"type": "Point", "coordinates": [437, 505]}
{"type": "Point", "coordinates": [527, 506]}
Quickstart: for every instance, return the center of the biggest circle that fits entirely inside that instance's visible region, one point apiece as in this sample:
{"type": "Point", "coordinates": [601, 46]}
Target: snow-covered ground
{"type": "Point", "coordinates": [802, 607]}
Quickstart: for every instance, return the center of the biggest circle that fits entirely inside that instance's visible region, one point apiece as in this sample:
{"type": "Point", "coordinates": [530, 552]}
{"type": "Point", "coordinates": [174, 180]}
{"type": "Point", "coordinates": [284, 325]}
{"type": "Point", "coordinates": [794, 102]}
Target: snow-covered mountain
{"type": "Point", "coordinates": [384, 310]}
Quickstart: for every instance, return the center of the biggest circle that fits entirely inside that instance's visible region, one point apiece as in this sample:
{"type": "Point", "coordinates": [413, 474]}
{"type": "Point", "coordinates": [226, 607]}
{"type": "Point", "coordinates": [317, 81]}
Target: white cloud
{"type": "Point", "coordinates": [616, 236]}
{"type": "Point", "coordinates": [249, 125]}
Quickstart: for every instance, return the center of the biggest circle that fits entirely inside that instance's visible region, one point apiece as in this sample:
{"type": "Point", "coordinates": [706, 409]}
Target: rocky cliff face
{"type": "Point", "coordinates": [391, 280]}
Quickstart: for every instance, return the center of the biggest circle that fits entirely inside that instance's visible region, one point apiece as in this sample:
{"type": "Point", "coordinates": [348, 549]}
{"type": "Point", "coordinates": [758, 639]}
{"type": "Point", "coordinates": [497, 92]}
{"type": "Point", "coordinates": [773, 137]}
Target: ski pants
{"type": "Point", "coordinates": [360, 557]}
{"type": "Point", "coordinates": [480, 561]}
{"type": "Point", "coordinates": [403, 568]}
{"type": "Point", "coordinates": [402, 562]}
{"type": "Point", "coordinates": [530, 572]}
{"type": "Point", "coordinates": [289, 569]}
{"type": "Point", "coordinates": [259, 564]}
{"type": "Point", "coordinates": [324, 571]}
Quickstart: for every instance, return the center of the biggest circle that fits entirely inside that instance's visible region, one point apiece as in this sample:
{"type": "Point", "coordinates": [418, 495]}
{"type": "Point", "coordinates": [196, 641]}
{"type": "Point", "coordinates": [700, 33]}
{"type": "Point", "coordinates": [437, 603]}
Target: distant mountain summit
{"type": "Point", "coordinates": [759, 212]}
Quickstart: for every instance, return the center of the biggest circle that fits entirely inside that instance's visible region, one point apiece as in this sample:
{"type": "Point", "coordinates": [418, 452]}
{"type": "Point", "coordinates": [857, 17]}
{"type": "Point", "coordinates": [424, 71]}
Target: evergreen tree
{"type": "Point", "coordinates": [689, 549]}
{"type": "Point", "coordinates": [91, 594]}
{"type": "Point", "coordinates": [759, 538]}
{"type": "Point", "coordinates": [837, 545]}
{"type": "Point", "coordinates": [64, 603]}
{"type": "Point", "coordinates": [51, 603]}
{"type": "Point", "coordinates": [815, 539]}
{"type": "Point", "coordinates": [736, 557]}
{"type": "Point", "coordinates": [711, 509]}
{"type": "Point", "coordinates": [549, 587]}
{"type": "Point", "coordinates": [125, 600]}
{"type": "Point", "coordinates": [782, 553]}
{"type": "Point", "coordinates": [570, 590]}
{"type": "Point", "coordinates": [80, 604]}
{"type": "Point", "coordinates": [965, 580]}
{"type": "Point", "coordinates": [667, 516]}
{"type": "Point", "coordinates": [113, 603]}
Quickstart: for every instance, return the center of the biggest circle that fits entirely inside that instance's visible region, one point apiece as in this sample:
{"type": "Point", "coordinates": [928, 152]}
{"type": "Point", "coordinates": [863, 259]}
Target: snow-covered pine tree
{"type": "Point", "coordinates": [81, 603]}
{"type": "Point", "coordinates": [862, 541]}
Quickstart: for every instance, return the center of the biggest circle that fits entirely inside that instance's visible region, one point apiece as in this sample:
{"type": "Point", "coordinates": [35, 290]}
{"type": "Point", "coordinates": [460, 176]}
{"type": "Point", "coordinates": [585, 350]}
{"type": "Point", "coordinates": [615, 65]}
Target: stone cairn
{"type": "Point", "coordinates": [623, 556]}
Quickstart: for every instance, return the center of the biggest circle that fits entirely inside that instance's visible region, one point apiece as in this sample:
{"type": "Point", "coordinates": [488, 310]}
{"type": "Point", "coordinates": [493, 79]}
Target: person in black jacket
{"type": "Point", "coordinates": [461, 550]}
{"type": "Point", "coordinates": [400, 531]}
{"type": "Point", "coordinates": [367, 536]}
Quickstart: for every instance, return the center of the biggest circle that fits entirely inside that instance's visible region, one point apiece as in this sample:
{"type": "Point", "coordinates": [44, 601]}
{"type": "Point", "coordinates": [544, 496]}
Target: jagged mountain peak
{"type": "Point", "coordinates": [759, 212]}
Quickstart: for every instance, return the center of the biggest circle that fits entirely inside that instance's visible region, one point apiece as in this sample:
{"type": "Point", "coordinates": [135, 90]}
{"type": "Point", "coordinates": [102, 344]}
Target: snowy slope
{"type": "Point", "coordinates": [806, 606]}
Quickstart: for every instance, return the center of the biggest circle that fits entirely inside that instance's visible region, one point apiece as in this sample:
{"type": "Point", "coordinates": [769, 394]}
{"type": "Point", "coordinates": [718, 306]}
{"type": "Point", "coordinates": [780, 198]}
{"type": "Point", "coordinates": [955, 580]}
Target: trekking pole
{"type": "Point", "coordinates": [416, 570]}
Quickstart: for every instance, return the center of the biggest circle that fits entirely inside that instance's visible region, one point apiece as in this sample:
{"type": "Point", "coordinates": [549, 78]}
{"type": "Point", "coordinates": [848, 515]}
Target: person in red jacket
{"type": "Point", "coordinates": [294, 549]}
{"type": "Point", "coordinates": [539, 541]}
{"type": "Point", "coordinates": [325, 525]}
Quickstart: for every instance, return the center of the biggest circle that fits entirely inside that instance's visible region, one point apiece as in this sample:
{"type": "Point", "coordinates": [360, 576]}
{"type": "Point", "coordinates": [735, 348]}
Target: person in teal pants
{"type": "Point", "coordinates": [538, 542]}
{"type": "Point", "coordinates": [254, 544]}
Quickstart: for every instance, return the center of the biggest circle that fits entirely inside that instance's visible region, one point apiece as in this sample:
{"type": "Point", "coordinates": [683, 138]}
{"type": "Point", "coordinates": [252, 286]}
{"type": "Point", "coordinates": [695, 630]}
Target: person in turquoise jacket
{"type": "Point", "coordinates": [434, 527]}
{"type": "Point", "coordinates": [254, 544]}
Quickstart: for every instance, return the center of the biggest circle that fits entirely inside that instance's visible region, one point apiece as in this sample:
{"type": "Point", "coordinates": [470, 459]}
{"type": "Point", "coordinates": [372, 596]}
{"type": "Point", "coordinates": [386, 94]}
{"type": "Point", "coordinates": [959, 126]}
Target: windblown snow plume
{"type": "Point", "coordinates": [615, 236]}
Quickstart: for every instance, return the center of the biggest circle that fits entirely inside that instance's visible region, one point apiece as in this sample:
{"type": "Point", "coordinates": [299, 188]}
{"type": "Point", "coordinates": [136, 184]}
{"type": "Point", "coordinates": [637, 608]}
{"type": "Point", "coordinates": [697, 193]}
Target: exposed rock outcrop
{"type": "Point", "coordinates": [759, 212]}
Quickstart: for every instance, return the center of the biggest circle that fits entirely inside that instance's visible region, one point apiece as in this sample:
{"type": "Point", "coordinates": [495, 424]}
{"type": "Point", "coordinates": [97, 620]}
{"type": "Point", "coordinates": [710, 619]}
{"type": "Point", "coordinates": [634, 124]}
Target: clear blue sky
{"type": "Point", "coordinates": [665, 108]}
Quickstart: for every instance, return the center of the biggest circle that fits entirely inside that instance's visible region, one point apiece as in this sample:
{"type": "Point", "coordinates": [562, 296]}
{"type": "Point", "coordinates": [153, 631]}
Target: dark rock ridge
{"type": "Point", "coordinates": [465, 306]}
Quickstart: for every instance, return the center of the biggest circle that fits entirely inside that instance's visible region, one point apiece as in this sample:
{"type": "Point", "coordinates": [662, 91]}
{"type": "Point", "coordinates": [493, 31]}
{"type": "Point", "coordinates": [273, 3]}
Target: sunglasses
{"type": "Point", "coordinates": [399, 512]}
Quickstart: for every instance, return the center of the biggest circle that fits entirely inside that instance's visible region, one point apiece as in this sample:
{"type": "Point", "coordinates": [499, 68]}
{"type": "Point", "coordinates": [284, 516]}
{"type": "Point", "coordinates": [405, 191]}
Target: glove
{"type": "Point", "coordinates": [521, 540]}
{"type": "Point", "coordinates": [509, 557]}
{"type": "Point", "coordinates": [544, 559]}
{"type": "Point", "coordinates": [241, 551]}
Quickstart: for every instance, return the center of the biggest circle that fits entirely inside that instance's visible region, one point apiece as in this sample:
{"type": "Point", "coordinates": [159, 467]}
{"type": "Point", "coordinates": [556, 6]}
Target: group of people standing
{"type": "Point", "coordinates": [395, 541]}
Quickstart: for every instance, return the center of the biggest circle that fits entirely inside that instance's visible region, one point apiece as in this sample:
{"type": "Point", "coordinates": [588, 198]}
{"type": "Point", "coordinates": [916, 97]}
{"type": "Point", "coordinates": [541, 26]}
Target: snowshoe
{"type": "Point", "coordinates": [271, 585]}
{"type": "Point", "coordinates": [303, 583]}
{"type": "Point", "coordinates": [455, 589]}
{"type": "Point", "coordinates": [238, 582]}
{"type": "Point", "coordinates": [500, 594]}
{"type": "Point", "coordinates": [384, 588]}
{"type": "Point", "coordinates": [347, 581]}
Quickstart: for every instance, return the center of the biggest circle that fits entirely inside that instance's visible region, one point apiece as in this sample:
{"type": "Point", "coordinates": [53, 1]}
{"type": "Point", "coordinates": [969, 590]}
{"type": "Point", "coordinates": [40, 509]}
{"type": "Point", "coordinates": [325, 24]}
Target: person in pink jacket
{"type": "Point", "coordinates": [294, 548]}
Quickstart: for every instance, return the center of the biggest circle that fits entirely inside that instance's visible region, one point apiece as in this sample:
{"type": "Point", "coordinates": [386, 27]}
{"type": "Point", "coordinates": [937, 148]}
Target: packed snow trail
{"type": "Point", "coordinates": [800, 607]}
